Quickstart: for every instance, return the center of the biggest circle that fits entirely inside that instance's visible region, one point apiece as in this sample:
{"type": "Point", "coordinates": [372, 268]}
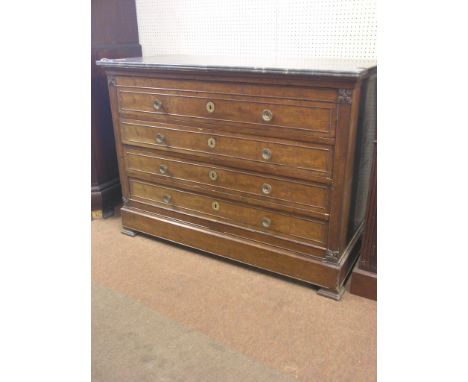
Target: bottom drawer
{"type": "Point", "coordinates": [298, 228]}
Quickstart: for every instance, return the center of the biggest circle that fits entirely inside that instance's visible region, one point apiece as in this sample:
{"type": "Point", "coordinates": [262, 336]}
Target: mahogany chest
{"type": "Point", "coordinates": [259, 162]}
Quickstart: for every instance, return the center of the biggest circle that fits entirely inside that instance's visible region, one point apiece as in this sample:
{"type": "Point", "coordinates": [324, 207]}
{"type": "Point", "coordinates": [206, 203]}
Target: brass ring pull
{"type": "Point", "coordinates": [213, 175]}
{"type": "Point", "coordinates": [157, 104]}
{"type": "Point", "coordinates": [267, 115]}
{"type": "Point", "coordinates": [266, 222]}
{"type": "Point", "coordinates": [266, 188]}
{"type": "Point", "coordinates": [160, 138]}
{"type": "Point", "coordinates": [210, 106]}
{"type": "Point", "coordinates": [266, 154]}
{"type": "Point", "coordinates": [167, 199]}
{"type": "Point", "coordinates": [211, 143]}
{"type": "Point", "coordinates": [163, 169]}
{"type": "Point", "coordinates": [215, 206]}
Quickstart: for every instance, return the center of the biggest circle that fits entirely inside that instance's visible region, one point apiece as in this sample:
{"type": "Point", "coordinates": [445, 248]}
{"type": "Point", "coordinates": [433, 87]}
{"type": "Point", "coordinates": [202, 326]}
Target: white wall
{"type": "Point", "coordinates": [268, 28]}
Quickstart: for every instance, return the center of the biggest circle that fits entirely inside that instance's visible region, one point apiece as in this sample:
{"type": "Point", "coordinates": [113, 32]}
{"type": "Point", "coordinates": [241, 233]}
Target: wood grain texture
{"type": "Point", "coordinates": [310, 159]}
{"type": "Point", "coordinates": [237, 248]}
{"type": "Point", "coordinates": [215, 208]}
{"type": "Point", "coordinates": [305, 116]}
{"type": "Point", "coordinates": [299, 248]}
{"type": "Point", "coordinates": [155, 166]}
{"type": "Point", "coordinates": [221, 178]}
{"type": "Point", "coordinates": [229, 89]}
{"type": "Point", "coordinates": [318, 92]}
{"type": "Point", "coordinates": [363, 283]}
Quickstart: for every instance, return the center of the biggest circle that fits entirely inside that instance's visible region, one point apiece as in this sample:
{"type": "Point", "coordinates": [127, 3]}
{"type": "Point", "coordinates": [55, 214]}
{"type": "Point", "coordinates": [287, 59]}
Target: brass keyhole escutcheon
{"type": "Point", "coordinates": [157, 104]}
{"type": "Point", "coordinates": [211, 143]}
{"type": "Point", "coordinates": [210, 106]}
{"type": "Point", "coordinates": [166, 199]}
{"type": "Point", "coordinates": [160, 138]}
{"type": "Point", "coordinates": [267, 115]}
{"type": "Point", "coordinates": [215, 206]}
{"type": "Point", "coordinates": [163, 169]}
{"type": "Point", "coordinates": [266, 154]}
{"type": "Point", "coordinates": [213, 175]}
{"type": "Point", "coordinates": [266, 188]}
{"type": "Point", "coordinates": [266, 222]}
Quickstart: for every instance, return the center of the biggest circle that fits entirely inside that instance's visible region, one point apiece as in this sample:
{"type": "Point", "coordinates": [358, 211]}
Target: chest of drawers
{"type": "Point", "coordinates": [253, 162]}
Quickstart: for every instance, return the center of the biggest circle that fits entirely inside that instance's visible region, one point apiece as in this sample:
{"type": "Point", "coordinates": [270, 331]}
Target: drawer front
{"type": "Point", "coordinates": [230, 180]}
{"type": "Point", "coordinates": [235, 213]}
{"type": "Point", "coordinates": [313, 157]}
{"type": "Point", "coordinates": [256, 112]}
{"type": "Point", "coordinates": [241, 89]}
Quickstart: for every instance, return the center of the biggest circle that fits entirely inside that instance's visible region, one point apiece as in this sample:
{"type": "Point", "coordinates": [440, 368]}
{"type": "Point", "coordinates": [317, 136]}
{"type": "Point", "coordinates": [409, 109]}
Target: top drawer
{"type": "Point", "coordinates": [229, 104]}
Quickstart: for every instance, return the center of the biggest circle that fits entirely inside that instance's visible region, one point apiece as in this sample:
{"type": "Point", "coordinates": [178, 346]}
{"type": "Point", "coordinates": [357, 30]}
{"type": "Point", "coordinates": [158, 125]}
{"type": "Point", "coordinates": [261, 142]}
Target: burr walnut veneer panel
{"type": "Point", "coordinates": [253, 164]}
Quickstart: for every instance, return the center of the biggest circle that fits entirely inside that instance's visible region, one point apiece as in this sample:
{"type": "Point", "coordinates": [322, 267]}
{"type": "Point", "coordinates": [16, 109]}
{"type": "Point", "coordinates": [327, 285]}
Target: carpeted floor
{"type": "Point", "coordinates": [164, 313]}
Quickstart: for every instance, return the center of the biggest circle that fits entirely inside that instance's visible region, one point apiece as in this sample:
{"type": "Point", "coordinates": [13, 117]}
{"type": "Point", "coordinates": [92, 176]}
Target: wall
{"type": "Point", "coordinates": [268, 28]}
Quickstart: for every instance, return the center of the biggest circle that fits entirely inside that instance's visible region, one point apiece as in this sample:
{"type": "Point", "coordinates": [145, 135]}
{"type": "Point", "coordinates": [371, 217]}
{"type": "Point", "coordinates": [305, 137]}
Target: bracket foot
{"type": "Point", "coordinates": [128, 232]}
{"type": "Point", "coordinates": [330, 293]}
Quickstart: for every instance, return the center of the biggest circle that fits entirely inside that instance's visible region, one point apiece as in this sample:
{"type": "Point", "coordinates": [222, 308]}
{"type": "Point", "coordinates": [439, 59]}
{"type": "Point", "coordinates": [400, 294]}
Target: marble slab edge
{"type": "Point", "coordinates": [105, 63]}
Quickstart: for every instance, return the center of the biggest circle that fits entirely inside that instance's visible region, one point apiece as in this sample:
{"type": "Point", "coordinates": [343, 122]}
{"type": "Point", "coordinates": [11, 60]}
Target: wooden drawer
{"type": "Point", "coordinates": [300, 129]}
{"type": "Point", "coordinates": [300, 229]}
{"type": "Point", "coordinates": [231, 89]}
{"type": "Point", "coordinates": [205, 176]}
{"type": "Point", "coordinates": [290, 159]}
{"type": "Point", "coordinates": [247, 110]}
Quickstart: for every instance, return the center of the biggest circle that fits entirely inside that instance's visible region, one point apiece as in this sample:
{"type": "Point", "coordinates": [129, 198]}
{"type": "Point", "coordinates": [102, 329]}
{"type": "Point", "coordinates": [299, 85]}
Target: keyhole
{"type": "Point", "coordinates": [210, 106]}
{"type": "Point", "coordinates": [215, 206]}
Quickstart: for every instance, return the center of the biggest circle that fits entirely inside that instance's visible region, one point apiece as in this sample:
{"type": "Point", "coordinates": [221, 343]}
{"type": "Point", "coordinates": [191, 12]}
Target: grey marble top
{"type": "Point", "coordinates": [312, 66]}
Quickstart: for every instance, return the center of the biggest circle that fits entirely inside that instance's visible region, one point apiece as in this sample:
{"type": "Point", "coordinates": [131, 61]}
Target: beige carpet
{"type": "Point", "coordinates": [164, 313]}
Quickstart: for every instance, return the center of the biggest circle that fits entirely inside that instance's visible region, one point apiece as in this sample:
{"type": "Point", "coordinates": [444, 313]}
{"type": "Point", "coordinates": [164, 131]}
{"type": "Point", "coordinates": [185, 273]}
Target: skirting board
{"type": "Point", "coordinates": [363, 283]}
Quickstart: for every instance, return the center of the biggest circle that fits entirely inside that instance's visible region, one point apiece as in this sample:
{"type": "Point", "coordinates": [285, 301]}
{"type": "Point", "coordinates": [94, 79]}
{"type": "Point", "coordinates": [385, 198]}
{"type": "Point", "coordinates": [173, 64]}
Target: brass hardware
{"type": "Point", "coordinates": [213, 175]}
{"type": "Point", "coordinates": [210, 106]}
{"type": "Point", "coordinates": [215, 206]}
{"type": "Point", "coordinates": [160, 138]}
{"type": "Point", "coordinates": [163, 169]}
{"type": "Point", "coordinates": [331, 256]}
{"type": "Point", "coordinates": [266, 154]}
{"type": "Point", "coordinates": [211, 142]}
{"type": "Point", "coordinates": [167, 199]}
{"type": "Point", "coordinates": [266, 222]}
{"type": "Point", "coordinates": [157, 104]}
{"type": "Point", "coordinates": [267, 115]}
{"type": "Point", "coordinates": [345, 96]}
{"type": "Point", "coordinates": [266, 188]}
